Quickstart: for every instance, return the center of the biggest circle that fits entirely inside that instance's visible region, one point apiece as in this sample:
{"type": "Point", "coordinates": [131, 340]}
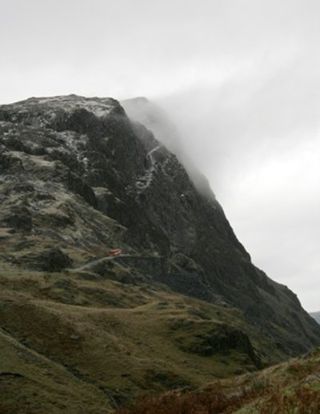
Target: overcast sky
{"type": "Point", "coordinates": [241, 79]}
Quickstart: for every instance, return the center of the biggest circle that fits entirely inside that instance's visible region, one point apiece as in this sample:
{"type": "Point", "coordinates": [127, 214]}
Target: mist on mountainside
{"type": "Point", "coordinates": [152, 115]}
{"type": "Point", "coordinates": [316, 316]}
{"type": "Point", "coordinates": [261, 163]}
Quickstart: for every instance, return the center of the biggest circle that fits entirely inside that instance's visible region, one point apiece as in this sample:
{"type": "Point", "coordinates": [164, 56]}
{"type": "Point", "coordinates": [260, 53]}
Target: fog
{"type": "Point", "coordinates": [266, 179]}
{"type": "Point", "coordinates": [239, 79]}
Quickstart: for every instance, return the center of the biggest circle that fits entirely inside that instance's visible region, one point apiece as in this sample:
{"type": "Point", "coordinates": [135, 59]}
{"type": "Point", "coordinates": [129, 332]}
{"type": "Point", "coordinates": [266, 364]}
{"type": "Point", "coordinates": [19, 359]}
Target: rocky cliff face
{"type": "Point", "coordinates": [78, 178]}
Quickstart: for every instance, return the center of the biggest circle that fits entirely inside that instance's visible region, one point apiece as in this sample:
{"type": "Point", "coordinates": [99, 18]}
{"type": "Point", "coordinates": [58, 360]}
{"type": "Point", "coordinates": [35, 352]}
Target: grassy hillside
{"type": "Point", "coordinates": [289, 388]}
{"type": "Point", "coordinates": [76, 342]}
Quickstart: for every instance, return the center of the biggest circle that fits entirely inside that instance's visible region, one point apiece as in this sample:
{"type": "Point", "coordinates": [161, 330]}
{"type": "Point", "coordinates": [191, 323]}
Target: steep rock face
{"type": "Point", "coordinates": [225, 262]}
{"type": "Point", "coordinates": [78, 173]}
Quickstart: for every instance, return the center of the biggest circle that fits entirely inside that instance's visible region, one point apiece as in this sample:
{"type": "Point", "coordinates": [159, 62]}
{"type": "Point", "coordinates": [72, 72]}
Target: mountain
{"type": "Point", "coordinates": [119, 274]}
{"type": "Point", "coordinates": [316, 316]}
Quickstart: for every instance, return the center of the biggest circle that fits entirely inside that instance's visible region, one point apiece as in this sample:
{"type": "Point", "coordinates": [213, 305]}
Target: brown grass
{"type": "Point", "coordinates": [213, 401]}
{"type": "Point", "coordinates": [302, 401]}
{"type": "Point", "coordinates": [289, 388]}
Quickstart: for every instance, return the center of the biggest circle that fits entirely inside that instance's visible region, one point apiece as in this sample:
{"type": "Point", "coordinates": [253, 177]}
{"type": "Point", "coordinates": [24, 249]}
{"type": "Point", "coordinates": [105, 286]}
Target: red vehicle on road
{"type": "Point", "coordinates": [114, 252]}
